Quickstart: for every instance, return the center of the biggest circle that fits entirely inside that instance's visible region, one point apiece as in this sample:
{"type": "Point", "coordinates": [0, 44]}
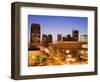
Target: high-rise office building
{"type": "Point", "coordinates": [75, 34]}
{"type": "Point", "coordinates": [34, 35]}
{"type": "Point", "coordinates": [59, 37]}
{"type": "Point", "coordinates": [49, 38]}
{"type": "Point", "coordinates": [44, 41]}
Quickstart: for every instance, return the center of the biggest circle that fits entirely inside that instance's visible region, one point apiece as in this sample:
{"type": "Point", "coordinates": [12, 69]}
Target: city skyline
{"type": "Point", "coordinates": [58, 24]}
{"type": "Point", "coordinates": [54, 40]}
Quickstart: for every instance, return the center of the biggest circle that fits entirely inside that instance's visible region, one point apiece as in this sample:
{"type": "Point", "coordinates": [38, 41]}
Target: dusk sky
{"type": "Point", "coordinates": [59, 24]}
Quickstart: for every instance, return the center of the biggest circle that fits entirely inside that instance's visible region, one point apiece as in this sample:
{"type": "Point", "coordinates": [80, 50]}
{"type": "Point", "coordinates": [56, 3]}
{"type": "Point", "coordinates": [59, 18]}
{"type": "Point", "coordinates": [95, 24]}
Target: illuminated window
{"type": "Point", "coordinates": [67, 51]}
{"type": "Point", "coordinates": [84, 46]}
{"type": "Point", "coordinates": [82, 52]}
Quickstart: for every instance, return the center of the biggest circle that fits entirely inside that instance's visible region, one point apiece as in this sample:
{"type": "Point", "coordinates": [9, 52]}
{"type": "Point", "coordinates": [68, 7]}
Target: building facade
{"type": "Point", "coordinates": [50, 40]}
{"type": "Point", "coordinates": [46, 39]}
{"type": "Point", "coordinates": [68, 38]}
{"type": "Point", "coordinates": [84, 38]}
{"type": "Point", "coordinates": [34, 36]}
{"type": "Point", "coordinates": [75, 34]}
{"type": "Point", "coordinates": [72, 48]}
{"type": "Point", "coordinates": [74, 37]}
{"type": "Point", "coordinates": [59, 37]}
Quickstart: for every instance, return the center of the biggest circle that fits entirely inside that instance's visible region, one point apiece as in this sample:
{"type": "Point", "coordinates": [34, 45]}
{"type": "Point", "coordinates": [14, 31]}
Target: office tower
{"type": "Point", "coordinates": [59, 37]}
{"type": "Point", "coordinates": [34, 36]}
{"type": "Point", "coordinates": [44, 40]}
{"type": "Point", "coordinates": [49, 38]}
{"type": "Point", "coordinates": [75, 34]}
